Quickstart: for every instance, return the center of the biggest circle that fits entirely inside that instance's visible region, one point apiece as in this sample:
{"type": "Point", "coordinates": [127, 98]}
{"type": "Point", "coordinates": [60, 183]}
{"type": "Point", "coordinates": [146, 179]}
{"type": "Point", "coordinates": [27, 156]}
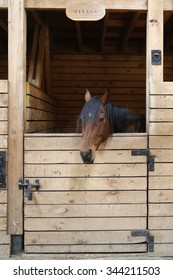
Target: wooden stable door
{"type": "Point", "coordinates": [85, 208]}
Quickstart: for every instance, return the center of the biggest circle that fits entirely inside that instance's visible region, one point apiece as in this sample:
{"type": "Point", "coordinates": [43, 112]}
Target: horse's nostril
{"type": "Point", "coordinates": [88, 153]}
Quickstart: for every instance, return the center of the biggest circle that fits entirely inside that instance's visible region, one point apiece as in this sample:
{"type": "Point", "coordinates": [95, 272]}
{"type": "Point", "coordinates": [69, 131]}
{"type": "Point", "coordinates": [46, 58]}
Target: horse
{"type": "Point", "coordinates": [99, 119]}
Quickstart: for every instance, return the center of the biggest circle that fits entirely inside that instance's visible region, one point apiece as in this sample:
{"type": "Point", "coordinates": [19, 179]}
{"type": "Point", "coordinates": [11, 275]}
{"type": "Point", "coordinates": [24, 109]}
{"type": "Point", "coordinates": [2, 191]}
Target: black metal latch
{"type": "Point", "coordinates": [28, 187]}
{"type": "Point", "coordinates": [145, 152]}
{"type": "Point", "coordinates": [156, 57]}
{"type": "Point", "coordinates": [2, 169]}
{"type": "Point", "coordinates": [149, 238]}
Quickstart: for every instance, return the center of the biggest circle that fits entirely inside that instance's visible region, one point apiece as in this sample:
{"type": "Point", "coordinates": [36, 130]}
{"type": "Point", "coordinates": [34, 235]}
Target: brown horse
{"type": "Point", "coordinates": [99, 119]}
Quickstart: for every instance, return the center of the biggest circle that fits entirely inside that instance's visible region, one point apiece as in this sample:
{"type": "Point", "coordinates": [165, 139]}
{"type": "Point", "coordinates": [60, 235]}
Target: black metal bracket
{"type": "Point", "coordinates": [28, 187]}
{"type": "Point", "coordinates": [149, 238]}
{"type": "Point", "coordinates": [145, 152]}
{"type": "Point", "coordinates": [156, 58]}
{"type": "Point", "coordinates": [2, 169]}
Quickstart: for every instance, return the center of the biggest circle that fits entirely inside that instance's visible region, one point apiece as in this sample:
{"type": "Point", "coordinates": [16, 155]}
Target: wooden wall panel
{"type": "Point", "coordinates": [85, 208]}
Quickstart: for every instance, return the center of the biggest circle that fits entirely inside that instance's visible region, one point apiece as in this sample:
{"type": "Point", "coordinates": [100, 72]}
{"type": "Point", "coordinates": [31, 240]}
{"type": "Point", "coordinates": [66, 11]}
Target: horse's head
{"type": "Point", "coordinates": [94, 123]}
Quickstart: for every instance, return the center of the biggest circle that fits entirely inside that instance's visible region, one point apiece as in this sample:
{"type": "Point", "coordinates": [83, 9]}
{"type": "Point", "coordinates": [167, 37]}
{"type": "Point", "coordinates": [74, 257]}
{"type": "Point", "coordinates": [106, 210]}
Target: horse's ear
{"type": "Point", "coordinates": [87, 95]}
{"type": "Point", "coordinates": [105, 97]}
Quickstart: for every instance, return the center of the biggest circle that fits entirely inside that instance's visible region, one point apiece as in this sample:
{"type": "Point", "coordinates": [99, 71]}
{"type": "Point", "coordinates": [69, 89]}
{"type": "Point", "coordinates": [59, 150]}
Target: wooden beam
{"type": "Point", "coordinates": [79, 35]}
{"type": "Point", "coordinates": [130, 29]}
{"type": "Point", "coordinates": [3, 3]}
{"type": "Point", "coordinates": [48, 80]}
{"type": "Point", "coordinates": [106, 18]}
{"type": "Point", "coordinates": [109, 4]}
{"type": "Point", "coordinates": [37, 17]}
{"type": "Point", "coordinates": [17, 85]}
{"type": "Point", "coordinates": [154, 42]}
{"type": "Point", "coordinates": [32, 64]}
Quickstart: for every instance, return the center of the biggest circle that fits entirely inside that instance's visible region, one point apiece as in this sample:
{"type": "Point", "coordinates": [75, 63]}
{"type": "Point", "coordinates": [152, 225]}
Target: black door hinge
{"type": "Point", "coordinates": [149, 238]}
{"type": "Point", "coordinates": [2, 169]}
{"type": "Point", "coordinates": [27, 186]}
{"type": "Point", "coordinates": [145, 152]}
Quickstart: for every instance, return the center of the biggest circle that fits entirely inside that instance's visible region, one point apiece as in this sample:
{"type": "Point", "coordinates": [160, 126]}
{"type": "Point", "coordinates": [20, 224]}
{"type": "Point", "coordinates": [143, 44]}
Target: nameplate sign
{"type": "Point", "coordinates": [86, 11]}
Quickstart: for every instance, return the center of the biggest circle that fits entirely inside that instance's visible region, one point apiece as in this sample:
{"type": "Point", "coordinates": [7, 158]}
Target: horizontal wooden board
{"type": "Point", "coordinates": [3, 114]}
{"type": "Point", "coordinates": [3, 196]}
{"type": "Point", "coordinates": [165, 155]}
{"type": "Point", "coordinates": [161, 115]}
{"type": "Point", "coordinates": [81, 238]}
{"type": "Point", "coordinates": [161, 182]}
{"type": "Point", "coordinates": [74, 141]}
{"type": "Point", "coordinates": [161, 101]}
{"type": "Point", "coordinates": [3, 142]}
{"type": "Point", "coordinates": [61, 224]}
{"type": "Point", "coordinates": [3, 86]}
{"type": "Point", "coordinates": [161, 142]}
{"type": "Point", "coordinates": [3, 100]}
{"type": "Point", "coordinates": [95, 170]}
{"type": "Point", "coordinates": [118, 183]}
{"type": "Point", "coordinates": [3, 224]}
{"type": "Point", "coordinates": [3, 210]}
{"type": "Point", "coordinates": [3, 127]}
{"type": "Point", "coordinates": [5, 251]}
{"type": "Point", "coordinates": [102, 156]}
{"type": "Point", "coordinates": [88, 197]}
{"type": "Point", "coordinates": [163, 250]}
{"type": "Point", "coordinates": [4, 238]}
{"type": "Point", "coordinates": [156, 223]}
{"type": "Point", "coordinates": [104, 210]}
{"type": "Point", "coordinates": [165, 196]}
{"type": "Point", "coordinates": [162, 236]}
{"type": "Point", "coordinates": [162, 169]}
{"type": "Point", "coordinates": [161, 128]}
{"type": "Point", "coordinates": [126, 248]}
{"type": "Point", "coordinates": [160, 209]}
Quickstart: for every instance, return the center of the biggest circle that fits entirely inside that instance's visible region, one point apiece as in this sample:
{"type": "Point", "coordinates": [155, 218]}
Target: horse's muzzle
{"type": "Point", "coordinates": [87, 156]}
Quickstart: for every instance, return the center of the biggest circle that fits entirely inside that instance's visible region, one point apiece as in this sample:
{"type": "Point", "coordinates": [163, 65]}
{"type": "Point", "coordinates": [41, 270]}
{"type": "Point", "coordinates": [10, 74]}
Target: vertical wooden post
{"type": "Point", "coordinates": [154, 42]}
{"type": "Point", "coordinates": [17, 84]}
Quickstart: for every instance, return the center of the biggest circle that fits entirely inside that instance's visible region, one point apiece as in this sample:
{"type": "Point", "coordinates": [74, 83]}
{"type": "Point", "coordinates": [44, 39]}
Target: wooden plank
{"type": "Point", "coordinates": [52, 4]}
{"type": "Point", "coordinates": [164, 196]}
{"type": "Point", "coordinates": [3, 100]}
{"type": "Point", "coordinates": [95, 170]}
{"type": "Point", "coordinates": [3, 86]}
{"type": "Point", "coordinates": [3, 210]}
{"type": "Point", "coordinates": [90, 197]}
{"type": "Point", "coordinates": [161, 101]}
{"type": "Point", "coordinates": [4, 238]}
{"type": "Point", "coordinates": [131, 248]}
{"type": "Point", "coordinates": [3, 142]}
{"type": "Point", "coordinates": [3, 224]}
{"type": "Point", "coordinates": [162, 236]}
{"type": "Point", "coordinates": [161, 115]}
{"type": "Point", "coordinates": [67, 142]}
{"type": "Point", "coordinates": [161, 182]}
{"type": "Point", "coordinates": [17, 80]}
{"type": "Point", "coordinates": [119, 183]}
{"type": "Point", "coordinates": [41, 126]}
{"type": "Point", "coordinates": [160, 210]}
{"type": "Point", "coordinates": [161, 128]}
{"type": "Point", "coordinates": [5, 252]}
{"type": "Point", "coordinates": [156, 223]}
{"type": "Point", "coordinates": [103, 210]}
{"type": "Point", "coordinates": [162, 169]}
{"type": "Point", "coordinates": [163, 250]}
{"type": "Point", "coordinates": [3, 127]}
{"type": "Point", "coordinates": [39, 94]}
{"type": "Point", "coordinates": [3, 114]}
{"type": "Point", "coordinates": [162, 142]}
{"type": "Point", "coordinates": [56, 224]}
{"type": "Point", "coordinates": [87, 237]}
{"type": "Point", "coordinates": [33, 53]}
{"type": "Point", "coordinates": [106, 156]}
